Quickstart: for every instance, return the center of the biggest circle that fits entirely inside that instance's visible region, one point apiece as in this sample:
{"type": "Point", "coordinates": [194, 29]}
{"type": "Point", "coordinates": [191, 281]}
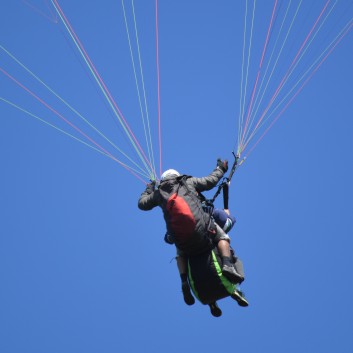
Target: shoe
{"type": "Point", "coordinates": [240, 298]}
{"type": "Point", "coordinates": [230, 273]}
{"type": "Point", "coordinates": [188, 298]}
{"type": "Point", "coordinates": [215, 310]}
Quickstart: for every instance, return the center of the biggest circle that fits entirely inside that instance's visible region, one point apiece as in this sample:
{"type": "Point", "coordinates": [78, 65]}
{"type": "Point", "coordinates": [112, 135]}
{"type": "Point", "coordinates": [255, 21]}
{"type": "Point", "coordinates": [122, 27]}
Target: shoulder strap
{"type": "Point", "coordinates": [183, 182]}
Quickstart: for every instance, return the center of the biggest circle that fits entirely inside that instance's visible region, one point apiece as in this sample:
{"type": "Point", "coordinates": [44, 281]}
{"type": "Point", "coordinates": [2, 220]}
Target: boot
{"type": "Point", "coordinates": [215, 310]}
{"type": "Point", "coordinates": [239, 297]}
{"type": "Point", "coordinates": [188, 297]}
{"type": "Point", "coordinates": [231, 274]}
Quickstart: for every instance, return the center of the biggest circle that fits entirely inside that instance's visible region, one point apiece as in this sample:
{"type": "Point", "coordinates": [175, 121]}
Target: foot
{"type": "Point", "coordinates": [230, 273]}
{"type": "Point", "coordinates": [240, 298]}
{"type": "Point", "coordinates": [188, 298]}
{"type": "Point", "coordinates": [215, 310]}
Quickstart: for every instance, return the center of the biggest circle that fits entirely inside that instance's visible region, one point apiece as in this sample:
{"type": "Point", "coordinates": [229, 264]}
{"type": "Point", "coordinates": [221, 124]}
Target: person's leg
{"type": "Point", "coordinates": [182, 264]}
{"type": "Point", "coordinates": [228, 270]}
{"type": "Point", "coordinates": [224, 248]}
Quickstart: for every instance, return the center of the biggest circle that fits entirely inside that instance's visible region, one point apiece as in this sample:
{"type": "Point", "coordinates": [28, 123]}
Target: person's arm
{"type": "Point", "coordinates": [149, 198]}
{"type": "Point", "coordinates": [210, 181]}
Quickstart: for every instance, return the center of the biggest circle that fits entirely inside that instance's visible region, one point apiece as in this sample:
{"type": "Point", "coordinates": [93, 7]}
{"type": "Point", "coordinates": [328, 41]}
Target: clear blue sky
{"type": "Point", "coordinates": [83, 270]}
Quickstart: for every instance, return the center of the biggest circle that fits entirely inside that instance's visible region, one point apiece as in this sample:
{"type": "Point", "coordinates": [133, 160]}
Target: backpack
{"type": "Point", "coordinates": [186, 220]}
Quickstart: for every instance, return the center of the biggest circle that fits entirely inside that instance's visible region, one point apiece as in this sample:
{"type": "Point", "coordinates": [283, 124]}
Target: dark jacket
{"type": "Point", "coordinates": [185, 218]}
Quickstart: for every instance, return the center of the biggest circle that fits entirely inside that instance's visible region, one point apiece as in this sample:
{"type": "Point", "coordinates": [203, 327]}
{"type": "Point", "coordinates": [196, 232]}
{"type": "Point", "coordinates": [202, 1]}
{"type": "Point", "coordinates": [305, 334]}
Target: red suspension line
{"type": "Point", "coordinates": [102, 83]}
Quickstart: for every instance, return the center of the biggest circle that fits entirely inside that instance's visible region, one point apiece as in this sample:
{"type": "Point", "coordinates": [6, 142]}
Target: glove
{"type": "Point", "coordinates": [222, 165]}
{"type": "Point", "coordinates": [168, 239]}
{"type": "Point", "coordinates": [150, 187]}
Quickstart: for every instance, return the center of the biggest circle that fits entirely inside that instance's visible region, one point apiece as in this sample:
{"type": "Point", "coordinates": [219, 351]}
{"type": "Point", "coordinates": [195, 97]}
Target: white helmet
{"type": "Point", "coordinates": [168, 173]}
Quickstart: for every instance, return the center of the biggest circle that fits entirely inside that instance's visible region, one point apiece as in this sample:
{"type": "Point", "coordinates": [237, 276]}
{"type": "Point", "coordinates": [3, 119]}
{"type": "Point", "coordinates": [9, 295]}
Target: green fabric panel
{"type": "Point", "coordinates": [229, 286]}
{"type": "Point", "coordinates": [192, 284]}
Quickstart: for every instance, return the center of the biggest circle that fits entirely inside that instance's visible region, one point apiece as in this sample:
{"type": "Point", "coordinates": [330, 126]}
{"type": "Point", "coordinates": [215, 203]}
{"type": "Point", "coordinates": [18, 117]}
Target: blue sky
{"type": "Point", "coordinates": [83, 270]}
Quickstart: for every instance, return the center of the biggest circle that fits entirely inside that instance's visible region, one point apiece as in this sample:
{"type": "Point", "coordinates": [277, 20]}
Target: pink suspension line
{"type": "Point", "coordinates": [102, 83]}
{"type": "Point", "coordinates": [51, 18]}
{"type": "Point", "coordinates": [258, 73]}
{"type": "Point", "coordinates": [69, 123]}
{"type": "Point", "coordinates": [300, 88]}
{"type": "Point", "coordinates": [280, 86]}
{"type": "Point", "coordinates": [159, 92]}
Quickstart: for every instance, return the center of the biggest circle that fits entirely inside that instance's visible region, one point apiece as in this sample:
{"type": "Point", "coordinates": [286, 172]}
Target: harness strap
{"type": "Point", "coordinates": [226, 196]}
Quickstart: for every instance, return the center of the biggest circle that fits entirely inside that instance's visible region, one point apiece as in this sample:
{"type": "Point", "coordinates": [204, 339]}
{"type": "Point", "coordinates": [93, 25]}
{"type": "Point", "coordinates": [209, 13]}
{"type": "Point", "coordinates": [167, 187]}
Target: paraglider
{"type": "Point", "coordinates": [204, 257]}
{"type": "Point", "coordinates": [211, 273]}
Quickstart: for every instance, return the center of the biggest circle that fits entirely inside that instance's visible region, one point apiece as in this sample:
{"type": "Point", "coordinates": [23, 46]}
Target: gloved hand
{"type": "Point", "coordinates": [168, 239]}
{"type": "Point", "coordinates": [223, 165]}
{"type": "Point", "coordinates": [150, 187]}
